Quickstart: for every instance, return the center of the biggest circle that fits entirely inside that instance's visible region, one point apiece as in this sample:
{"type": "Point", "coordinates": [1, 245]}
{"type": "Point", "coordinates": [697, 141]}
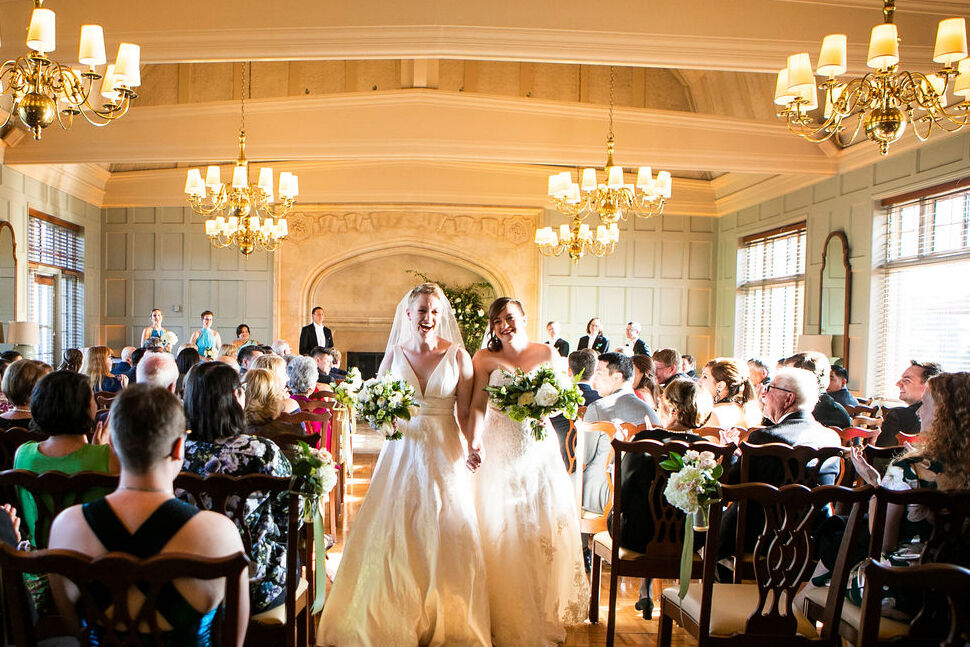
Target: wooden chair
{"type": "Point", "coordinates": [912, 439]}
{"type": "Point", "coordinates": [759, 613]}
{"type": "Point", "coordinates": [714, 433]}
{"type": "Point", "coordinates": [118, 573]}
{"type": "Point", "coordinates": [104, 399]}
{"type": "Point", "coordinates": [856, 435]}
{"type": "Point", "coordinates": [863, 410]}
{"type": "Point", "coordinates": [572, 436]}
{"type": "Point", "coordinates": [288, 624]}
{"type": "Point", "coordinates": [630, 430]}
{"type": "Point", "coordinates": [287, 441]}
{"type": "Point", "coordinates": [662, 560]}
{"type": "Point", "coordinates": [590, 522]}
{"type": "Point", "coordinates": [314, 406]}
{"type": "Point", "coordinates": [944, 588]}
{"type": "Point", "coordinates": [11, 440]}
{"type": "Point", "coordinates": [322, 395]}
{"type": "Point", "coordinates": [320, 423]}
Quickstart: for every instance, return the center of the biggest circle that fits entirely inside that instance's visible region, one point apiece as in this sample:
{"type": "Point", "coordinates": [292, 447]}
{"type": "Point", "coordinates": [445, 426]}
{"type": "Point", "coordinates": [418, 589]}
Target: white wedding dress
{"type": "Point", "coordinates": [412, 572]}
{"type": "Point", "coordinates": [530, 535]}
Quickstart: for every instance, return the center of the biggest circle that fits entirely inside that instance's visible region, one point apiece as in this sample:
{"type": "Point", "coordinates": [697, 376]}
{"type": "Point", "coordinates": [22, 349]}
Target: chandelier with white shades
{"type": "Point", "coordinates": [44, 91]}
{"type": "Point", "coordinates": [881, 102]}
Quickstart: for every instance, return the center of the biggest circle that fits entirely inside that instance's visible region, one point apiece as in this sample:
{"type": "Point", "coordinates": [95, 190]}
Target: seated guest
{"type": "Point", "coordinates": [137, 357]}
{"type": "Point", "coordinates": [245, 357]}
{"type": "Point", "coordinates": [301, 381]}
{"type": "Point", "coordinates": [581, 365]}
{"type": "Point", "coordinates": [613, 380]}
{"type": "Point", "coordinates": [185, 360]}
{"type": "Point", "coordinates": [63, 407]}
{"type": "Point", "coordinates": [11, 356]}
{"type": "Point", "coordinates": [324, 358]}
{"type": "Point", "coordinates": [158, 369]}
{"type": "Point", "coordinates": [940, 460]}
{"type": "Point", "coordinates": [733, 395]}
{"type": "Point", "coordinates": [827, 412]}
{"type": "Point", "coordinates": [336, 372]}
{"type": "Point", "coordinates": [758, 374]}
{"type": "Point", "coordinates": [666, 365]}
{"type": "Point", "coordinates": [148, 430]}
{"type": "Point", "coordinates": [125, 366]}
{"type": "Point", "coordinates": [683, 406]}
{"type": "Point", "coordinates": [228, 350]}
{"type": "Point", "coordinates": [912, 386]}
{"type": "Point", "coordinates": [645, 380]}
{"type": "Point", "coordinates": [5, 405]}
{"type": "Point", "coordinates": [633, 342]}
{"type": "Point", "coordinates": [72, 360]}
{"type": "Point", "coordinates": [243, 337]}
{"type": "Point", "coordinates": [594, 337]}
{"type": "Point", "coordinates": [265, 396]}
{"type": "Point", "coordinates": [554, 340]}
{"type": "Point", "coordinates": [18, 383]}
{"type": "Point", "coordinates": [158, 344]}
{"type": "Point", "coordinates": [837, 389]}
{"type": "Point", "coordinates": [277, 365]}
{"type": "Point", "coordinates": [97, 366]}
{"type": "Point", "coordinates": [282, 347]}
{"type": "Point", "coordinates": [214, 402]}
{"type": "Point", "coordinates": [688, 366]}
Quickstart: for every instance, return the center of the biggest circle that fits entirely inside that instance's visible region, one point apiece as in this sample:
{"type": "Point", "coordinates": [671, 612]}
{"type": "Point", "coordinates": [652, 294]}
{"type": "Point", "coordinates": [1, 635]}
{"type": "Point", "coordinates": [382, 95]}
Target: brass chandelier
{"type": "Point", "coordinates": [233, 211]}
{"type": "Point", "coordinates": [577, 240]}
{"type": "Point", "coordinates": [884, 100]}
{"type": "Point", "coordinates": [38, 83]}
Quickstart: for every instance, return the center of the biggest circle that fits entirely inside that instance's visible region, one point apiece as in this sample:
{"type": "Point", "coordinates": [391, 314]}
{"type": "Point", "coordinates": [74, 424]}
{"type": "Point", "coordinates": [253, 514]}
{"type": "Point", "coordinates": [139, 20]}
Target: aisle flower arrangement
{"type": "Point", "coordinates": [692, 487]}
{"type": "Point", "coordinates": [346, 392]}
{"type": "Point", "coordinates": [535, 395]}
{"type": "Point", "coordinates": [383, 400]}
{"type": "Point", "coordinates": [314, 476]}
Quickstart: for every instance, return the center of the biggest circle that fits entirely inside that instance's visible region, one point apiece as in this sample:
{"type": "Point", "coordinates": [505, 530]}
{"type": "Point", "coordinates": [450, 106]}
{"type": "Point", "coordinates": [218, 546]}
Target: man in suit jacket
{"type": "Point", "coordinates": [583, 364]}
{"type": "Point", "coordinates": [555, 340]}
{"type": "Point", "coordinates": [838, 378]}
{"type": "Point", "coordinates": [911, 387]}
{"type": "Point", "coordinates": [633, 341]}
{"type": "Point", "coordinates": [666, 364]}
{"type": "Point", "coordinates": [614, 382]}
{"type": "Point", "coordinates": [315, 334]}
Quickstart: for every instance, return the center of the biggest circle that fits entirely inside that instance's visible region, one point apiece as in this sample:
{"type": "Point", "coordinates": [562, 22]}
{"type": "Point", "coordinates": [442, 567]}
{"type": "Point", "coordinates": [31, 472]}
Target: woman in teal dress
{"type": "Point", "coordinates": [154, 330]}
{"type": "Point", "coordinates": [207, 341]}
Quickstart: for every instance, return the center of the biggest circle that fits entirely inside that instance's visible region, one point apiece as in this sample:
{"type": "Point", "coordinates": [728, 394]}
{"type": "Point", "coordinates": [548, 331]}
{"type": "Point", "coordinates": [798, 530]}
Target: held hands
{"type": "Point", "coordinates": [867, 472]}
{"type": "Point", "coordinates": [475, 457]}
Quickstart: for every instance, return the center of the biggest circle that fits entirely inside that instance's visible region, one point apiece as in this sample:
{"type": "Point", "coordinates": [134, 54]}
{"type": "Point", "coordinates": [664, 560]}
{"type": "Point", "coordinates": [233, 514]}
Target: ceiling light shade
{"type": "Point", "coordinates": [951, 41]}
{"type": "Point", "coordinates": [800, 74]}
{"type": "Point", "coordinates": [91, 49]}
{"type": "Point", "coordinates": [782, 94]}
{"type": "Point", "coordinates": [832, 57]}
{"type": "Point", "coordinates": [883, 47]}
{"type": "Point", "coordinates": [40, 33]}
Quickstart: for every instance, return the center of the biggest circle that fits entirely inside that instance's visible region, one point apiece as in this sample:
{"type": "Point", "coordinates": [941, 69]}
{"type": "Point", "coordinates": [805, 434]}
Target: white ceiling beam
{"type": "Point", "coordinates": [431, 125]}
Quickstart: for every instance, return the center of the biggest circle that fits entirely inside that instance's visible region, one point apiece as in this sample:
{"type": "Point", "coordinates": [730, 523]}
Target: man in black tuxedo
{"type": "Point", "coordinates": [582, 363]}
{"type": "Point", "coordinates": [633, 341]}
{"type": "Point", "coordinates": [315, 334]}
{"type": "Point", "coordinates": [911, 387]}
{"type": "Point", "coordinates": [555, 340]}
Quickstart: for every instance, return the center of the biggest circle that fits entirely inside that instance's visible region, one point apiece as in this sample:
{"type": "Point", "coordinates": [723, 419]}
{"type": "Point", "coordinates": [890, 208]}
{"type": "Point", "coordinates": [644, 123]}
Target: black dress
{"type": "Point", "coordinates": [600, 344]}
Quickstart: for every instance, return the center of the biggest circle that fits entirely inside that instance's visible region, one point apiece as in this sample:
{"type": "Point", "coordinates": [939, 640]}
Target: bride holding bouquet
{"type": "Point", "coordinates": [412, 573]}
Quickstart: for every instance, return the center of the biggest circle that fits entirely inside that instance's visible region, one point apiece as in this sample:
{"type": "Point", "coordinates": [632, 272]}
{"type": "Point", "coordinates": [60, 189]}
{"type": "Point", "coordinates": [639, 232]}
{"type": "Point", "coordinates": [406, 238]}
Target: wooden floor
{"type": "Point", "coordinates": [631, 628]}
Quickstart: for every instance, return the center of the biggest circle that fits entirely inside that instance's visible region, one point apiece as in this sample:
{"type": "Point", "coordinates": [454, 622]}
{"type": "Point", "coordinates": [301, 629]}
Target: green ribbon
{"type": "Point", "coordinates": [320, 565]}
{"type": "Point", "coordinates": [686, 557]}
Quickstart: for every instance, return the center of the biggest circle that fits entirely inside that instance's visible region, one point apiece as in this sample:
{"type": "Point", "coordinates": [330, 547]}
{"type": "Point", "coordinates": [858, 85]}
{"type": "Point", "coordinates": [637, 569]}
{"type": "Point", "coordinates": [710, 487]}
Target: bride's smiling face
{"type": "Point", "coordinates": [425, 313]}
{"type": "Point", "coordinates": [509, 322]}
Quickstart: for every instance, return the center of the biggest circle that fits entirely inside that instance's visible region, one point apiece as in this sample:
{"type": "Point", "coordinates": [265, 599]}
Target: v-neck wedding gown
{"type": "Point", "coordinates": [412, 572]}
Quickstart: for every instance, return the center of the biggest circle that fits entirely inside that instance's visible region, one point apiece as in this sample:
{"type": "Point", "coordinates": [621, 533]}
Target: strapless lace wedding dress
{"type": "Point", "coordinates": [530, 535]}
{"type": "Point", "coordinates": [412, 572]}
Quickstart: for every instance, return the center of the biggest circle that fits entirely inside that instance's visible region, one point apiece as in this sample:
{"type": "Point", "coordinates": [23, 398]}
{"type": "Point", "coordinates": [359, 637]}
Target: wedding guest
{"type": "Point", "coordinates": [613, 380]}
{"type": "Point", "coordinates": [125, 366]}
{"type": "Point", "coordinates": [137, 356]}
{"type": "Point", "coordinates": [5, 405]}
{"type": "Point", "coordinates": [827, 412]}
{"type": "Point", "coordinates": [229, 361]}
{"type": "Point", "coordinates": [594, 337]}
{"type": "Point", "coordinates": [324, 359]}
{"type": "Point", "coordinates": [72, 360]}
{"type": "Point", "coordinates": [277, 365]}
{"type": "Point", "coordinates": [645, 380]}
{"type": "Point", "coordinates": [155, 329]}
{"type": "Point", "coordinates": [301, 381]}
{"type": "Point", "coordinates": [17, 385]}
{"type": "Point", "coordinates": [11, 356]}
{"type": "Point", "coordinates": [912, 386]}
{"type": "Point", "coordinates": [837, 387]}
{"type": "Point", "coordinates": [581, 367]}
{"type": "Point", "coordinates": [684, 405]}
{"type": "Point", "coordinates": [159, 370]}
{"type": "Point", "coordinates": [555, 340]}
{"type": "Point", "coordinates": [147, 428]}
{"type": "Point", "coordinates": [633, 341]}
{"type": "Point", "coordinates": [758, 374]}
{"type": "Point", "coordinates": [243, 337]}
{"type": "Point", "coordinates": [214, 401]}
{"type": "Point", "coordinates": [158, 344]}
{"type": "Point", "coordinates": [282, 347]}
{"type": "Point", "coordinates": [265, 397]}
{"type": "Point", "coordinates": [97, 366]}
{"type": "Point", "coordinates": [228, 350]}
{"type": "Point", "coordinates": [63, 407]}
{"type": "Point", "coordinates": [336, 372]}
{"type": "Point", "coordinates": [688, 366]}
{"type": "Point", "coordinates": [315, 334]}
{"type": "Point", "coordinates": [205, 339]}
{"type": "Point", "coordinates": [666, 365]}
{"type": "Point", "coordinates": [185, 360]}
{"type": "Point", "coordinates": [245, 357]}
{"type": "Point", "coordinates": [732, 393]}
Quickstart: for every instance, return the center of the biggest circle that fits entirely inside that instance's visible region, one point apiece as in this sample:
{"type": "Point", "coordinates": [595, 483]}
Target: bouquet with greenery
{"type": "Point", "coordinates": [314, 476]}
{"type": "Point", "coordinates": [171, 340]}
{"type": "Point", "coordinates": [346, 391]}
{"type": "Point", "coordinates": [535, 395]}
{"type": "Point", "coordinates": [383, 400]}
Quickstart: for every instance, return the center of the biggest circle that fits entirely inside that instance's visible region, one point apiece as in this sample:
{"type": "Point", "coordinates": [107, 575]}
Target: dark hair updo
{"type": "Point", "coordinates": [494, 343]}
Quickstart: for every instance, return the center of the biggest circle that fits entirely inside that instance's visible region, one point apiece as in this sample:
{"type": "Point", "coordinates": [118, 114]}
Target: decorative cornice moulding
{"type": "Point", "coordinates": [86, 182]}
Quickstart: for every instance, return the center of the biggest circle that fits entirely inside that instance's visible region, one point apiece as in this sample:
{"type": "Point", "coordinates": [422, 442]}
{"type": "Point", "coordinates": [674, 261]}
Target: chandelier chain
{"type": "Point", "coordinates": [242, 99]}
{"type": "Point", "coordinates": [612, 77]}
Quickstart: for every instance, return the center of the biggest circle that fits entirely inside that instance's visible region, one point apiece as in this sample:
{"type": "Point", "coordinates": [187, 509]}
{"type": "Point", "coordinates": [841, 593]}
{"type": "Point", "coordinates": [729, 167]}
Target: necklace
{"type": "Point", "coordinates": [145, 489]}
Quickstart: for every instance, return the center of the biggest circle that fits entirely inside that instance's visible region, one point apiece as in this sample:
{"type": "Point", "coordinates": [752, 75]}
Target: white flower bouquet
{"type": "Point", "coordinates": [171, 339]}
{"type": "Point", "coordinates": [314, 476]}
{"type": "Point", "coordinates": [346, 392]}
{"type": "Point", "coordinates": [383, 400]}
{"type": "Point", "coordinates": [534, 395]}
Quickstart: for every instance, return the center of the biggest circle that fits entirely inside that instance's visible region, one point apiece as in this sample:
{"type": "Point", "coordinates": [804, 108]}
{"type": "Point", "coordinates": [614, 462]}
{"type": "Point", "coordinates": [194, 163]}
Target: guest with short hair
{"type": "Point", "coordinates": [561, 345]}
{"type": "Point", "coordinates": [759, 375]}
{"type": "Point", "coordinates": [912, 386]}
{"type": "Point", "coordinates": [17, 385]}
{"type": "Point", "coordinates": [11, 356]}
{"type": "Point", "coordinates": [97, 366]}
{"type": "Point", "coordinates": [688, 365]}
{"type": "Point", "coordinates": [160, 370]}
{"type": "Point", "coordinates": [148, 430]}
{"type": "Point", "coordinates": [214, 411]}
{"type": "Point", "coordinates": [228, 350]}
{"type": "Point", "coordinates": [185, 360]}
{"type": "Point", "coordinates": [324, 358]}
{"type": "Point", "coordinates": [594, 338]}
{"type": "Point", "coordinates": [301, 380]}
{"type": "Point", "coordinates": [315, 334]}
{"type": "Point", "coordinates": [205, 339]}
{"type": "Point", "coordinates": [827, 412]}
{"type": "Point", "coordinates": [125, 366]}
{"type": "Point", "coordinates": [633, 342]}
{"type": "Point", "coordinates": [837, 390]}
{"type": "Point", "coordinates": [614, 382]}
{"type": "Point", "coordinates": [277, 365]}
{"type": "Point", "coordinates": [229, 361]}
{"type": "Point", "coordinates": [732, 393]}
{"type": "Point", "coordinates": [645, 380]}
{"type": "Point", "coordinates": [581, 367]}
{"type": "Point", "coordinates": [245, 357]}
{"type": "Point", "coordinates": [336, 372]}
{"type": "Point", "coordinates": [282, 348]}
{"type": "Point", "coordinates": [72, 360]}
{"type": "Point", "coordinates": [666, 364]}
{"type": "Point", "coordinates": [137, 356]}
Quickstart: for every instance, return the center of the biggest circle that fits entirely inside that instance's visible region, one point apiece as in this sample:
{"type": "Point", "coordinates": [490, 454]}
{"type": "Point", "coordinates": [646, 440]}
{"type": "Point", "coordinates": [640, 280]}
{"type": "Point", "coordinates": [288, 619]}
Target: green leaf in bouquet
{"type": "Point", "coordinates": [716, 472]}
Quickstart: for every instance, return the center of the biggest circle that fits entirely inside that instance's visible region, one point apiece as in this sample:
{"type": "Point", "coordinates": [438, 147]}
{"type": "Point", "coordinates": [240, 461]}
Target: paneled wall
{"type": "Point", "coordinates": [160, 258]}
{"type": "Point", "coordinates": [847, 202]}
{"type": "Point", "coordinates": [661, 274]}
{"type": "Point", "coordinates": [18, 193]}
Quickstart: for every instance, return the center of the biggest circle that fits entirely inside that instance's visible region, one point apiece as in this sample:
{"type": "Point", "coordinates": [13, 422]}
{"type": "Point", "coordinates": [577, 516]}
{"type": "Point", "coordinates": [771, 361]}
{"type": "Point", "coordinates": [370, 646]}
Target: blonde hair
{"type": "Point", "coordinates": [228, 350]}
{"type": "Point", "coordinates": [431, 289]}
{"type": "Point", "coordinates": [264, 396]}
{"type": "Point", "coordinates": [96, 364]}
{"type": "Point", "coordinates": [273, 363]}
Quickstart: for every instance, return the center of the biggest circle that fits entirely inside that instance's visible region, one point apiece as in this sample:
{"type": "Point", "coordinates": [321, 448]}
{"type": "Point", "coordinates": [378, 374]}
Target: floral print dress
{"type": "Point", "coordinates": [265, 516]}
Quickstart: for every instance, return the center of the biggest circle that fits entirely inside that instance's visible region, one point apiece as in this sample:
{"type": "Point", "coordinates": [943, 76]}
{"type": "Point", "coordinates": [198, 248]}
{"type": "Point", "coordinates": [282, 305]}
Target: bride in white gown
{"type": "Point", "coordinates": [526, 508]}
{"type": "Point", "coordinates": [412, 571]}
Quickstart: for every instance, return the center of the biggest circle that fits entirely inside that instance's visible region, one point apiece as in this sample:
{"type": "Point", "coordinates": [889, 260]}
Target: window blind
{"type": "Point", "coordinates": [55, 245]}
{"type": "Point", "coordinates": [770, 293]}
{"type": "Point", "coordinates": [924, 310]}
